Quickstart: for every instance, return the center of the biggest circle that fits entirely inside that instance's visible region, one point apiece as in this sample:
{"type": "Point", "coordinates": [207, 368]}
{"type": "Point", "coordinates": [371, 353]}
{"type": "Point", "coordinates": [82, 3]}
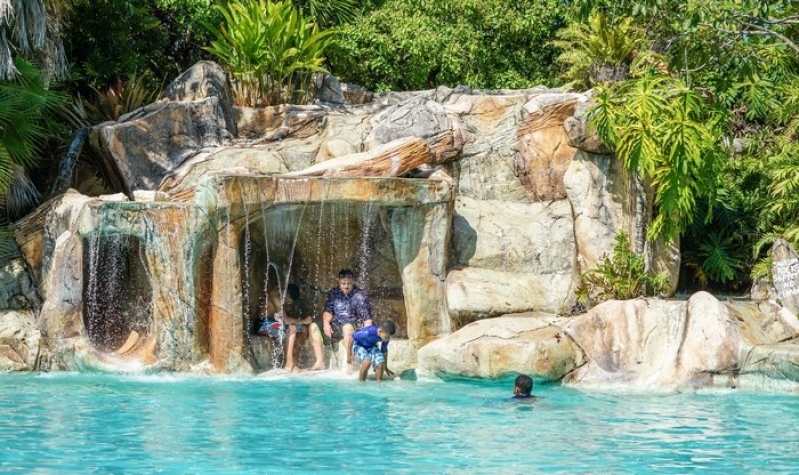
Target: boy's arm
{"type": "Point", "coordinates": [384, 350]}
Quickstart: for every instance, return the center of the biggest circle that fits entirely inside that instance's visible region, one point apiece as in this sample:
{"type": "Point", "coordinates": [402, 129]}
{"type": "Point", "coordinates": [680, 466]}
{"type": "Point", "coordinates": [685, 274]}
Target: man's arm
{"type": "Point", "coordinates": [327, 318]}
{"type": "Point", "coordinates": [364, 309]}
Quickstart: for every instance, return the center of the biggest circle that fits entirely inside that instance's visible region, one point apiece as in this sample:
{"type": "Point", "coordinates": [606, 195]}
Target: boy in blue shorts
{"type": "Point", "coordinates": [368, 353]}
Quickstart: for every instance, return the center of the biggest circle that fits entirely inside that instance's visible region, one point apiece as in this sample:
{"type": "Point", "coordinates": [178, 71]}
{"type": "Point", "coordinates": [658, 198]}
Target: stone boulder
{"type": "Point", "coordinates": [642, 344]}
{"type": "Point", "coordinates": [544, 152]}
{"type": "Point", "coordinates": [526, 343]}
{"type": "Point", "coordinates": [651, 344]}
{"type": "Point", "coordinates": [203, 80]}
{"type": "Point", "coordinates": [423, 118]}
{"type": "Point", "coordinates": [19, 340]}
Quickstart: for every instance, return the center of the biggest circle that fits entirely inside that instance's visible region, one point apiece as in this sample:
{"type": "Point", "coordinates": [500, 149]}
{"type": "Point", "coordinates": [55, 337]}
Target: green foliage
{"type": "Point", "coordinates": [598, 51]}
{"type": "Point", "coordinates": [270, 49]}
{"type": "Point", "coordinates": [621, 277]}
{"type": "Point", "coordinates": [411, 45]}
{"type": "Point", "coordinates": [728, 229]}
{"type": "Point", "coordinates": [668, 133]}
{"type": "Point", "coordinates": [27, 111]}
{"type": "Point", "coordinates": [328, 13]}
{"type": "Point", "coordinates": [107, 39]}
{"type": "Point", "coordinates": [784, 171]}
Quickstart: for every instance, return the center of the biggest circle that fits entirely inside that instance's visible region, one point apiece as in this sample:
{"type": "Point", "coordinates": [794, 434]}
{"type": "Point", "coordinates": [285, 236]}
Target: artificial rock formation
{"type": "Point", "coordinates": [481, 203]}
{"type": "Point", "coordinates": [641, 344]}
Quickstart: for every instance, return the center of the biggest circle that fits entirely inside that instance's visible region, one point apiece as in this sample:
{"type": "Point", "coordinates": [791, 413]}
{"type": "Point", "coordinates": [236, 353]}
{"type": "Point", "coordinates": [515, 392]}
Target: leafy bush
{"type": "Point", "coordinates": [411, 45]}
{"type": "Point", "coordinates": [621, 277]}
{"type": "Point", "coordinates": [270, 49]}
{"type": "Point", "coordinates": [106, 39]}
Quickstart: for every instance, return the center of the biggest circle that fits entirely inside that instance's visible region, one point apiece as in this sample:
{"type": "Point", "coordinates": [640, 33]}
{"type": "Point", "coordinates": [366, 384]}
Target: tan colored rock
{"type": "Point", "coordinates": [269, 124]}
{"type": "Point", "coordinates": [474, 293]}
{"type": "Point", "coordinates": [763, 322]}
{"type": "Point", "coordinates": [392, 159]}
{"type": "Point", "coordinates": [519, 238]}
{"type": "Point", "coordinates": [531, 344]}
{"type": "Point", "coordinates": [401, 356]}
{"type": "Point", "coordinates": [422, 118]}
{"type": "Point", "coordinates": [19, 340]}
{"type": "Point", "coordinates": [148, 196]}
{"type": "Point", "coordinates": [599, 190]}
{"type": "Point", "coordinates": [544, 153]}
{"type": "Point", "coordinates": [655, 344]}
{"type": "Point", "coordinates": [187, 127]}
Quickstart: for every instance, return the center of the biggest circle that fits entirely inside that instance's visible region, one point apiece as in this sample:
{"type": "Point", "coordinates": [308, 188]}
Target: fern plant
{"type": "Point", "coordinates": [620, 277]}
{"type": "Point", "coordinates": [598, 51]}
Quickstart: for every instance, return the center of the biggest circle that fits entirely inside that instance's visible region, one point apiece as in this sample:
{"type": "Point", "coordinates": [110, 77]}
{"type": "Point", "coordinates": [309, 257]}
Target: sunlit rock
{"type": "Point", "coordinates": [19, 340]}
{"type": "Point", "coordinates": [651, 344]}
{"type": "Point", "coordinates": [525, 343]}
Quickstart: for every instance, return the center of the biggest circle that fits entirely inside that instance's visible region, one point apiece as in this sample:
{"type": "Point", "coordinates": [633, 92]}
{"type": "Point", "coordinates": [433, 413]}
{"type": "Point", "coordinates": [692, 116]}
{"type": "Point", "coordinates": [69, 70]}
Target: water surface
{"type": "Point", "coordinates": [134, 424]}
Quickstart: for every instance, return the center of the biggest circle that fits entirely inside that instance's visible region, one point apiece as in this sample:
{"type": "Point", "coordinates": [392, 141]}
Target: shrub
{"type": "Point", "coordinates": [622, 277]}
{"type": "Point", "coordinates": [270, 49]}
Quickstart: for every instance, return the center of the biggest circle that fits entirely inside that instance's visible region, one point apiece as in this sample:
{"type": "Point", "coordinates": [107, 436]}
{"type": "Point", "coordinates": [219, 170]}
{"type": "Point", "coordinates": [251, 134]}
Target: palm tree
{"type": "Point", "coordinates": [32, 29]}
{"type": "Point", "coordinates": [31, 53]}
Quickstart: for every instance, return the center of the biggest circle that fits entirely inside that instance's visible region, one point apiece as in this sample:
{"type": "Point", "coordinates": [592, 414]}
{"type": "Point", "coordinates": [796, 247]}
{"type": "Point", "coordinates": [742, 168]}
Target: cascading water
{"type": "Point", "coordinates": [117, 308]}
{"type": "Point", "coordinates": [365, 247]}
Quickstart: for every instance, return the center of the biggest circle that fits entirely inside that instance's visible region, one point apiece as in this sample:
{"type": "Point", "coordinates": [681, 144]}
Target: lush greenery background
{"type": "Point", "coordinates": [700, 98]}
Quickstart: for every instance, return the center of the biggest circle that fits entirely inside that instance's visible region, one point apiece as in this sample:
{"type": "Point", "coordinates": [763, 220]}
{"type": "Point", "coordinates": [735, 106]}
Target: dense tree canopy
{"type": "Point", "coordinates": [411, 44]}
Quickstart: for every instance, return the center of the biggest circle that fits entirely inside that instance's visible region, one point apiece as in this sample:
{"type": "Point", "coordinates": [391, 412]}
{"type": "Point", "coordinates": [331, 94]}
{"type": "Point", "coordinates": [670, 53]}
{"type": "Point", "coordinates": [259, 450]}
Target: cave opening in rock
{"type": "Point", "coordinates": [307, 245]}
{"type": "Point", "coordinates": [117, 293]}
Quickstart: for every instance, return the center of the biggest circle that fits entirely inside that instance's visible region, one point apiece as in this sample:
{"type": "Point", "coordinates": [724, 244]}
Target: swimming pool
{"type": "Point", "coordinates": [137, 424]}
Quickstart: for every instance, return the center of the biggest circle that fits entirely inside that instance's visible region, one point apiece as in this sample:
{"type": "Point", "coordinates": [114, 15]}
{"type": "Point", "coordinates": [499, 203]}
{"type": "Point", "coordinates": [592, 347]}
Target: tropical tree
{"type": "Point", "coordinates": [27, 116]}
{"type": "Point", "coordinates": [32, 29]}
{"type": "Point", "coordinates": [270, 49]}
{"type": "Point", "coordinates": [739, 60]}
{"type": "Point", "coordinates": [31, 55]}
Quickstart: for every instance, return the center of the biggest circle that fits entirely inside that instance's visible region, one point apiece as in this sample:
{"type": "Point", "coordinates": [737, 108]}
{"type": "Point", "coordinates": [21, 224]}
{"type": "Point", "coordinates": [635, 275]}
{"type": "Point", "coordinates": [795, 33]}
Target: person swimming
{"type": "Point", "coordinates": [523, 387]}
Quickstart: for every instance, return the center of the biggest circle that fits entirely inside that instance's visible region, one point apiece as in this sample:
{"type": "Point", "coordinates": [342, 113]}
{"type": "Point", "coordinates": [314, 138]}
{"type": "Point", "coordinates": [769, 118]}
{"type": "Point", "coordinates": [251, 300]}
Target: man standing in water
{"type": "Point", "coordinates": [347, 309]}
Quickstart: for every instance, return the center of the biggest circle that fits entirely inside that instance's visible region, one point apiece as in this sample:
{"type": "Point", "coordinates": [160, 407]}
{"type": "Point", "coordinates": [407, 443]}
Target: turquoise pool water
{"type": "Point", "coordinates": [89, 423]}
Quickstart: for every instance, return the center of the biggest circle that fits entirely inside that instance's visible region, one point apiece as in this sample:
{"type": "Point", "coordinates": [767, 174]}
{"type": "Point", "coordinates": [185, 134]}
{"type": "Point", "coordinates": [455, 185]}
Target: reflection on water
{"type": "Point", "coordinates": [192, 424]}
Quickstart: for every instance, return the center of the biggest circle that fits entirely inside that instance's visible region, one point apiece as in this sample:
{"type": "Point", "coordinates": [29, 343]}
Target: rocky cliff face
{"type": "Point", "coordinates": [453, 206]}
